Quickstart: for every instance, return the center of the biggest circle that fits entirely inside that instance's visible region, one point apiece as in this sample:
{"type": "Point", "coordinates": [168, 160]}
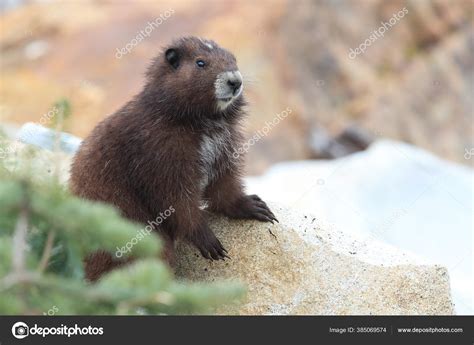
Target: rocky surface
{"type": "Point", "coordinates": [302, 267]}
{"type": "Point", "coordinates": [412, 84]}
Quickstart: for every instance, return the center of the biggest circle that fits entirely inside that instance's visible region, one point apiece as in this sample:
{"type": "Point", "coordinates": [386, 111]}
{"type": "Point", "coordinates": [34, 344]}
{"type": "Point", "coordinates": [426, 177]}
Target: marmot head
{"type": "Point", "coordinates": [198, 78]}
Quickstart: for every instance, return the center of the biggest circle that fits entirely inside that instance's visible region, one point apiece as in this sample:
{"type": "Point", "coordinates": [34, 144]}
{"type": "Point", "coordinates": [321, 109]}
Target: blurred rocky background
{"type": "Point", "coordinates": [414, 84]}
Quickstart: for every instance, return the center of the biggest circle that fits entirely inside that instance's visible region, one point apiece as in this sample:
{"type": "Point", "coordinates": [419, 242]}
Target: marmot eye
{"type": "Point", "coordinates": [200, 63]}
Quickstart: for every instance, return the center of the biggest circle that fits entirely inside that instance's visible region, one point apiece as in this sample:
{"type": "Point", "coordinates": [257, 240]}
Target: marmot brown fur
{"type": "Point", "coordinates": [173, 145]}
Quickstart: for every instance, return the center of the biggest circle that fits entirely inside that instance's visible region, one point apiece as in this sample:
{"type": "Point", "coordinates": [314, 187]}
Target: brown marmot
{"type": "Point", "coordinates": [173, 145]}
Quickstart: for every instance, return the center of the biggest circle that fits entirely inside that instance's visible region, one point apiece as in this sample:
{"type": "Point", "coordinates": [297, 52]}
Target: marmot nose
{"type": "Point", "coordinates": [234, 83]}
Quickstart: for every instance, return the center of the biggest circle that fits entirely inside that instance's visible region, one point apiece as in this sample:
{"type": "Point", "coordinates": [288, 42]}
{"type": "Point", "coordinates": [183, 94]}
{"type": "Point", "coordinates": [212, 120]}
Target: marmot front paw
{"type": "Point", "coordinates": [209, 245]}
{"type": "Point", "coordinates": [252, 207]}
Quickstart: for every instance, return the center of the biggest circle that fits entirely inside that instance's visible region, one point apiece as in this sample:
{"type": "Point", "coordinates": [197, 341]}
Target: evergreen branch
{"type": "Point", "coordinates": [50, 283]}
{"type": "Point", "coordinates": [19, 238]}
{"type": "Point", "coordinates": [13, 279]}
{"type": "Point", "coordinates": [47, 252]}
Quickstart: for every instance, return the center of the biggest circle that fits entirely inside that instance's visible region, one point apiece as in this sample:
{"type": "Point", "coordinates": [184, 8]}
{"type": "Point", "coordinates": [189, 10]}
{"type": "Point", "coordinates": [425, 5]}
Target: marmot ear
{"type": "Point", "coordinates": [172, 57]}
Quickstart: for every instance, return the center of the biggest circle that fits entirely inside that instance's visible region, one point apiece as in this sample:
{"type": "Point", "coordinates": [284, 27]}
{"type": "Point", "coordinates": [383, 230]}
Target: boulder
{"type": "Point", "coordinates": [301, 266]}
{"type": "Point", "coordinates": [398, 193]}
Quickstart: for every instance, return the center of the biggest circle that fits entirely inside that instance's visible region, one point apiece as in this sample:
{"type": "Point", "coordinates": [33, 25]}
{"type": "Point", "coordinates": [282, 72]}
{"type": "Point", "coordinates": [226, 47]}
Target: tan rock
{"type": "Point", "coordinates": [303, 267]}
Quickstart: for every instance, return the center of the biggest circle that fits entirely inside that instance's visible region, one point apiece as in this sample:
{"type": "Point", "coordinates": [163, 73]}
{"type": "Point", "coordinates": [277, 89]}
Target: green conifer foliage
{"type": "Point", "coordinates": [45, 233]}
